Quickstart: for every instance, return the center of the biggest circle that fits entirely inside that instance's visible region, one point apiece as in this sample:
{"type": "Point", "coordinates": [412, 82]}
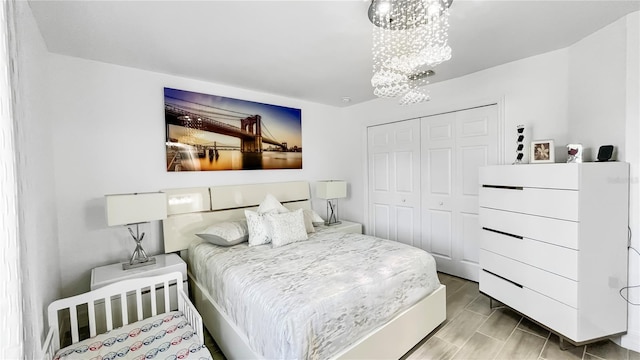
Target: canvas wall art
{"type": "Point", "coordinates": [209, 132]}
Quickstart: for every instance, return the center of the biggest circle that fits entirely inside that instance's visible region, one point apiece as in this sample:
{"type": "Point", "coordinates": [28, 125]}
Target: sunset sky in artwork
{"type": "Point", "coordinates": [281, 123]}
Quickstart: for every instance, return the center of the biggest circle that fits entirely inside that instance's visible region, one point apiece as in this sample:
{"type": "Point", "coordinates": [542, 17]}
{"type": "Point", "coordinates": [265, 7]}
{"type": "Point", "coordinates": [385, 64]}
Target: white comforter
{"type": "Point", "coordinates": [314, 298]}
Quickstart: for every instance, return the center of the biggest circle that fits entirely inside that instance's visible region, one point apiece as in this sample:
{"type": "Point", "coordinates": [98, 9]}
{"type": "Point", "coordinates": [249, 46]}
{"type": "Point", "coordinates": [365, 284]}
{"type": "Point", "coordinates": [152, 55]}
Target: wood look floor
{"type": "Point", "coordinates": [473, 330]}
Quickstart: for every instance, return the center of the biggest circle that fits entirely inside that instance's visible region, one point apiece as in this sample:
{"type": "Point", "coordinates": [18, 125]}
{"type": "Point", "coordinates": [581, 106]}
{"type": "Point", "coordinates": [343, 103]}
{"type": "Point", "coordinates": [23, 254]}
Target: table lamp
{"type": "Point", "coordinates": [135, 209]}
{"type": "Point", "coordinates": [331, 190]}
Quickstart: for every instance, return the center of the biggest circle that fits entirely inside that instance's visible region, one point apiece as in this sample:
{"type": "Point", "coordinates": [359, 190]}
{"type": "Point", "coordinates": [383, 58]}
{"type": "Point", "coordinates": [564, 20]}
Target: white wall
{"type": "Point", "coordinates": [40, 266]}
{"type": "Point", "coordinates": [11, 318]}
{"type": "Point", "coordinates": [108, 137]}
{"type": "Point", "coordinates": [597, 87]}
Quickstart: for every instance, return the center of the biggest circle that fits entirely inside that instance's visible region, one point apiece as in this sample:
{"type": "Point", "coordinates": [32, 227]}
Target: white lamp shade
{"type": "Point", "coordinates": [137, 208]}
{"type": "Point", "coordinates": [331, 189]}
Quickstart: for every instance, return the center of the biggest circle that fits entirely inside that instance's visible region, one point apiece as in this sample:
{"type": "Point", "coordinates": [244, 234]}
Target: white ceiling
{"type": "Point", "coordinates": [318, 51]}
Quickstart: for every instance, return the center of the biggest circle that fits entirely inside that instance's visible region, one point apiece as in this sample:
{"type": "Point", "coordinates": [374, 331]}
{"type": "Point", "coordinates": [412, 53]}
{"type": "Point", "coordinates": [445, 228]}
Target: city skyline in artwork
{"type": "Point", "coordinates": [209, 132]}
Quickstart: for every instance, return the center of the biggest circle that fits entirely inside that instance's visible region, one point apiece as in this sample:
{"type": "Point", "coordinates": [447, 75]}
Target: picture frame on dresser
{"type": "Point", "coordinates": [542, 151]}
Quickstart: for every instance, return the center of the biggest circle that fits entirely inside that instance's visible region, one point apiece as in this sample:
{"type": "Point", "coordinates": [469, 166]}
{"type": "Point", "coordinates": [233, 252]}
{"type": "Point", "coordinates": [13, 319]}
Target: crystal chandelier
{"type": "Point", "coordinates": [409, 36]}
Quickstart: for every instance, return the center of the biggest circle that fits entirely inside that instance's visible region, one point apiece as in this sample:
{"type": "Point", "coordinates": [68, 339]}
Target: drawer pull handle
{"type": "Point", "coordinates": [503, 187]}
{"type": "Point", "coordinates": [503, 233]}
{"type": "Point", "coordinates": [503, 278]}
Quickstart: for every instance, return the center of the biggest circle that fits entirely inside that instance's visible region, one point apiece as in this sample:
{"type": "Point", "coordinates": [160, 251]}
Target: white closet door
{"type": "Point", "coordinates": [454, 146]}
{"type": "Point", "coordinates": [394, 181]}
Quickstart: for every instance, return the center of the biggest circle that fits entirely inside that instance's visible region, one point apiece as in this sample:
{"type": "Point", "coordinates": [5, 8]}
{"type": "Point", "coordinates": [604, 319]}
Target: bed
{"type": "Point", "coordinates": [155, 323]}
{"type": "Point", "coordinates": [316, 306]}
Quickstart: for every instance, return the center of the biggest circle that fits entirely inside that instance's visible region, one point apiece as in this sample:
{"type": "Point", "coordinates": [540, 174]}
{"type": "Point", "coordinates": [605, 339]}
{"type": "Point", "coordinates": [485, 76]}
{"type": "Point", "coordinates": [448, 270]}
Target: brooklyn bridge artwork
{"type": "Point", "coordinates": [208, 132]}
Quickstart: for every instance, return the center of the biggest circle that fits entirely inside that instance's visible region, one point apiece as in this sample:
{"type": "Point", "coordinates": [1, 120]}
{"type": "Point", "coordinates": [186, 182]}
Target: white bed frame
{"type": "Point", "coordinates": [194, 209]}
{"type": "Point", "coordinates": [126, 294]}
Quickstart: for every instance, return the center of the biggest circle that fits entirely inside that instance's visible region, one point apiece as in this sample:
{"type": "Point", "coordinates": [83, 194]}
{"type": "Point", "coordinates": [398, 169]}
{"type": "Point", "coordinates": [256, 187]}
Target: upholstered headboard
{"type": "Point", "coordinates": [191, 210]}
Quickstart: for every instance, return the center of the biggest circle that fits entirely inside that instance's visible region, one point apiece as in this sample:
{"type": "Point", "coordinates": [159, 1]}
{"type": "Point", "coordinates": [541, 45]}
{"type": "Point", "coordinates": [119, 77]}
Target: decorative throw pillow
{"type": "Point", "coordinates": [286, 228]}
{"type": "Point", "coordinates": [226, 233]}
{"type": "Point", "coordinates": [258, 234]}
{"type": "Point", "coordinates": [271, 205]}
{"type": "Point", "coordinates": [308, 221]}
{"type": "Point", "coordinates": [315, 219]}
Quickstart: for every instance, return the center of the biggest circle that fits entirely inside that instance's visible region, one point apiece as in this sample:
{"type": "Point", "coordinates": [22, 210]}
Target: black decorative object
{"type": "Point", "coordinates": [605, 152]}
{"type": "Point", "coordinates": [519, 144]}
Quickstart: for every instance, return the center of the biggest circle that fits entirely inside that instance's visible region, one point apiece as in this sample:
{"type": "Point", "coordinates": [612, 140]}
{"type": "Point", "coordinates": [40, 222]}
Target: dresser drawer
{"type": "Point", "coordinates": [554, 231]}
{"type": "Point", "coordinates": [554, 286]}
{"type": "Point", "coordinates": [555, 315]}
{"type": "Point", "coordinates": [555, 259]}
{"type": "Point", "coordinates": [548, 176]}
{"type": "Point", "coordinates": [559, 204]}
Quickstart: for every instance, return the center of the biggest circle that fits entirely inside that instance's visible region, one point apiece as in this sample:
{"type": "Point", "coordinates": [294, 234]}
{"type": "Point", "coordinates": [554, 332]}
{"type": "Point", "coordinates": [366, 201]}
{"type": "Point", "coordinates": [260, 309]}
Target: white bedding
{"type": "Point", "coordinates": [312, 299]}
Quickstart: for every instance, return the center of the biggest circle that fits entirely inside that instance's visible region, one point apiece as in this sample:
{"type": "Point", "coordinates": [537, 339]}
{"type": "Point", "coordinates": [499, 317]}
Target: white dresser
{"type": "Point", "coordinates": [554, 244]}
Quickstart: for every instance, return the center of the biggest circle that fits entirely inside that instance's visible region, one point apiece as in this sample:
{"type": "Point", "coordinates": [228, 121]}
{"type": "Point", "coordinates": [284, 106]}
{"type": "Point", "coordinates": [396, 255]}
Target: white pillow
{"type": "Point", "coordinates": [258, 234]}
{"type": "Point", "coordinates": [226, 233]}
{"type": "Point", "coordinates": [271, 205]}
{"type": "Point", "coordinates": [315, 219]}
{"type": "Point", "coordinates": [286, 228]}
{"type": "Point", "coordinates": [308, 223]}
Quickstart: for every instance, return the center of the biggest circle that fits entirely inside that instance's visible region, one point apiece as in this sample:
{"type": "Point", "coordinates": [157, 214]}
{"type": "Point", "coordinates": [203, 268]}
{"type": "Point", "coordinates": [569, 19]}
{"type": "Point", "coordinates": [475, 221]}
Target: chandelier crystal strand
{"type": "Point", "coordinates": [409, 36]}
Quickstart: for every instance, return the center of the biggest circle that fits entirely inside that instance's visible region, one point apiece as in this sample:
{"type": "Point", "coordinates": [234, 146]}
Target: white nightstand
{"type": "Point", "coordinates": [165, 263]}
{"type": "Point", "coordinates": [345, 226]}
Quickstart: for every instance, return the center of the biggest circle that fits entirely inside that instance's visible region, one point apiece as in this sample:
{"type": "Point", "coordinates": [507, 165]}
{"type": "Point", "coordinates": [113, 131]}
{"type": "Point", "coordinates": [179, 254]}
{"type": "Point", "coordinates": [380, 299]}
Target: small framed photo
{"type": "Point", "coordinates": [542, 151]}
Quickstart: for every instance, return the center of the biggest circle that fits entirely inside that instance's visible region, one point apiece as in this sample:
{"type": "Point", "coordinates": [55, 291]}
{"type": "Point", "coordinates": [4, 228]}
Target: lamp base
{"type": "Point", "coordinates": [139, 257]}
{"type": "Point", "coordinates": [138, 263]}
{"type": "Point", "coordinates": [332, 213]}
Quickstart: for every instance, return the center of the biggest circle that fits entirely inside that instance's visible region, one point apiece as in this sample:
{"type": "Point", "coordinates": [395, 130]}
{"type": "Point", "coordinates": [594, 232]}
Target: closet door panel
{"type": "Point", "coordinates": [437, 173]}
{"type": "Point", "coordinates": [404, 229]}
{"type": "Point", "coordinates": [441, 131]}
{"type": "Point", "coordinates": [394, 177]}
{"type": "Point", "coordinates": [472, 158]}
{"type": "Point", "coordinates": [440, 233]}
{"type": "Point", "coordinates": [381, 214]}
{"type": "Point", "coordinates": [440, 176]}
{"type": "Point", "coordinates": [404, 172]}
{"type": "Point", "coordinates": [470, 235]}
{"type": "Point", "coordinates": [380, 172]}
{"type": "Point", "coordinates": [455, 145]}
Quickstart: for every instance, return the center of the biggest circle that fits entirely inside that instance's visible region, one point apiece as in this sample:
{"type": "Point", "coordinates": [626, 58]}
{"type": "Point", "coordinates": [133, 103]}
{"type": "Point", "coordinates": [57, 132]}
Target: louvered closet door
{"type": "Point", "coordinates": [394, 181]}
{"type": "Point", "coordinates": [454, 146]}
